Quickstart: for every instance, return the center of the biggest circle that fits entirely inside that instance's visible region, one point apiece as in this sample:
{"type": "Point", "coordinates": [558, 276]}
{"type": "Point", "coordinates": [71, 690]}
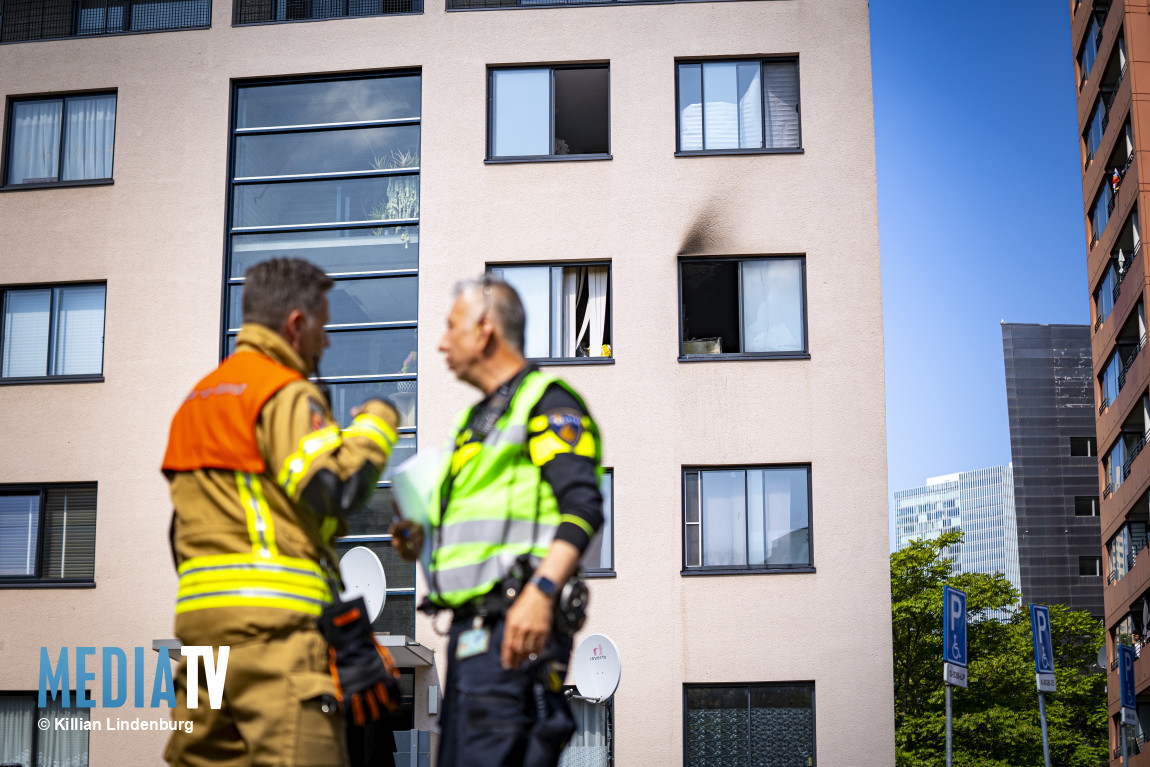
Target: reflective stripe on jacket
{"type": "Point", "coordinates": [499, 507]}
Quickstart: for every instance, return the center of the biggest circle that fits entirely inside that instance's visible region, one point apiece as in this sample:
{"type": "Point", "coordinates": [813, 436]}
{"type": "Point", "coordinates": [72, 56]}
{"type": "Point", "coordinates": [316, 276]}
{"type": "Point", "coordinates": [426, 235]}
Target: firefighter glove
{"type": "Point", "coordinates": [364, 673]}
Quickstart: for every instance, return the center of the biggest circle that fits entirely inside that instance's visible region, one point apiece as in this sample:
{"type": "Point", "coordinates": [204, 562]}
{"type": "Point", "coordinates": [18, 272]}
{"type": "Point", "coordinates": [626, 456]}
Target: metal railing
{"type": "Point", "coordinates": [28, 20]}
{"type": "Point", "coordinates": [1136, 547]}
{"type": "Point", "coordinates": [1126, 363]}
{"type": "Point", "coordinates": [1134, 452]}
{"type": "Point", "coordinates": [1120, 274]}
{"type": "Point", "coordinates": [1105, 404]}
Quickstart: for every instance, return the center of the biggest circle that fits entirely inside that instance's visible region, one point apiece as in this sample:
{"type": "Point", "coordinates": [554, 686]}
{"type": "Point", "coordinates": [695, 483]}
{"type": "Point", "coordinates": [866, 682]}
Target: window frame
{"type": "Point", "coordinates": [706, 570]}
{"type": "Point", "coordinates": [601, 572]}
{"type": "Point", "coordinates": [492, 159]}
{"type": "Point", "coordinates": [760, 59]}
{"type": "Point", "coordinates": [9, 110]}
{"type": "Point", "coordinates": [55, 379]}
{"type": "Point", "coordinates": [749, 686]}
{"type": "Point", "coordinates": [803, 354]}
{"type": "Point", "coordinates": [36, 715]}
{"type": "Point", "coordinates": [39, 581]}
{"type": "Point", "coordinates": [1096, 560]}
{"type": "Point", "coordinates": [556, 361]}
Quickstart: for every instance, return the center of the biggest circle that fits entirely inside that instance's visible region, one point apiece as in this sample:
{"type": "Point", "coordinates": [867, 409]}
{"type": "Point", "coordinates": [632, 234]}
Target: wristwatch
{"type": "Point", "coordinates": [544, 584]}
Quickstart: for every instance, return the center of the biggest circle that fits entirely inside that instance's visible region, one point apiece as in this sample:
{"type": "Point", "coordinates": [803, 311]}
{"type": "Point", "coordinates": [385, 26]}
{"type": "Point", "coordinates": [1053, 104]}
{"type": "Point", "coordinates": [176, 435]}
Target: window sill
{"type": "Point", "coordinates": [721, 152]}
{"type": "Point", "coordinates": [548, 158]}
{"type": "Point", "coordinates": [44, 584]}
{"type": "Point", "coordinates": [693, 571]}
{"type": "Point", "coordinates": [51, 380]}
{"type": "Point", "coordinates": [749, 356]}
{"type": "Point", "coordinates": [58, 185]}
{"type": "Point", "coordinates": [600, 574]}
{"type": "Point", "coordinates": [554, 361]}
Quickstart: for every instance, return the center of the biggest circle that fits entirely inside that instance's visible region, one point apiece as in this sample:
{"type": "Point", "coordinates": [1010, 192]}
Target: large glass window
{"type": "Point", "coordinates": [328, 170]}
{"type": "Point", "coordinates": [52, 332]}
{"type": "Point", "coordinates": [749, 725]}
{"type": "Point", "coordinates": [738, 105]}
{"type": "Point", "coordinates": [549, 112]}
{"type": "Point", "coordinates": [755, 518]}
{"type": "Point", "coordinates": [23, 744]}
{"type": "Point", "coordinates": [47, 533]}
{"type": "Point", "coordinates": [568, 308]}
{"type": "Point", "coordinates": [61, 140]}
{"type": "Point", "coordinates": [742, 306]}
{"type": "Point", "coordinates": [600, 554]}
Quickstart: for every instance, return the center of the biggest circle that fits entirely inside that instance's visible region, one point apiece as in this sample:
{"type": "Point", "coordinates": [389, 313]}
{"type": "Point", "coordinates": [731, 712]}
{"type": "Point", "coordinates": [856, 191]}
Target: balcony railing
{"type": "Point", "coordinates": [1120, 274]}
{"type": "Point", "coordinates": [1134, 451]}
{"type": "Point", "coordinates": [27, 20]}
{"type": "Point", "coordinates": [267, 11]}
{"type": "Point", "coordinates": [1126, 363]}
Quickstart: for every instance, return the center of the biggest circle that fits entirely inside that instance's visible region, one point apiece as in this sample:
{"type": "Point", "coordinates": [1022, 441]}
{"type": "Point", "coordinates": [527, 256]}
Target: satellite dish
{"type": "Point", "coordinates": [363, 576]}
{"type": "Point", "coordinates": [597, 668]}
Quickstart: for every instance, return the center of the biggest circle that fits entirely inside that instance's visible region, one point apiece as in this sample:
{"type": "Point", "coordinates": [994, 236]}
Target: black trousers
{"type": "Point", "coordinates": [493, 717]}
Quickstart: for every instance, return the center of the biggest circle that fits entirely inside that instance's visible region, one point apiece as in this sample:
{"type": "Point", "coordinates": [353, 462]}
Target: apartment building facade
{"type": "Point", "coordinates": [1050, 404]}
{"type": "Point", "coordinates": [649, 196]}
{"type": "Point", "coordinates": [1113, 124]}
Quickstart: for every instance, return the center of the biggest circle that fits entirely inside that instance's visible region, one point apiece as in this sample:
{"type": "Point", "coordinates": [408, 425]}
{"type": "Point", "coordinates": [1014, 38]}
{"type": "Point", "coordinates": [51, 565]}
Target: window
{"type": "Point", "coordinates": [24, 20]}
{"type": "Point", "coordinates": [1100, 212]}
{"type": "Point", "coordinates": [1083, 446]}
{"type": "Point", "coordinates": [61, 140]}
{"type": "Point", "coordinates": [52, 332]}
{"type": "Point", "coordinates": [568, 308]}
{"type": "Point", "coordinates": [264, 11]}
{"type": "Point", "coordinates": [23, 744]}
{"type": "Point", "coordinates": [600, 554]}
{"type": "Point", "coordinates": [47, 533]}
{"type": "Point", "coordinates": [1090, 566]}
{"type": "Point", "coordinates": [730, 106]}
{"type": "Point", "coordinates": [749, 307]}
{"type": "Point", "coordinates": [1086, 506]}
{"type": "Point", "coordinates": [350, 149]}
{"type": "Point", "coordinates": [1090, 46]}
{"type": "Point", "coordinates": [594, 740]}
{"type": "Point", "coordinates": [749, 724]}
{"type": "Point", "coordinates": [747, 519]}
{"type": "Point", "coordinates": [1095, 129]}
{"type": "Point", "coordinates": [548, 112]}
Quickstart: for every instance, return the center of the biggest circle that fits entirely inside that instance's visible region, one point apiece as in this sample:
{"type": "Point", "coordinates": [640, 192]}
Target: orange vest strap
{"type": "Point", "coordinates": [215, 428]}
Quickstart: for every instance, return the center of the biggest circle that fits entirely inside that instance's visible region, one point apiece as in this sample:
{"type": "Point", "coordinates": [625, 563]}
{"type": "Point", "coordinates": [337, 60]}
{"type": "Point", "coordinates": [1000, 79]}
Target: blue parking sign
{"type": "Point", "coordinates": [1126, 677]}
{"type": "Point", "coordinates": [1043, 640]}
{"type": "Point", "coordinates": [953, 626]}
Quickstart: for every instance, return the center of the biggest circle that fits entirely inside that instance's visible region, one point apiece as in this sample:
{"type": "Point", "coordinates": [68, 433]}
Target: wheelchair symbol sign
{"type": "Point", "coordinates": [954, 626]}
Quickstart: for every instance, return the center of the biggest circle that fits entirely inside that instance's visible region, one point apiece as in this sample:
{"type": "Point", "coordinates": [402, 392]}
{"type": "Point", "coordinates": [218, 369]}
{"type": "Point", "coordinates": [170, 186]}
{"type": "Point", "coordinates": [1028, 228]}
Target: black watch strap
{"type": "Point", "coordinates": [544, 584]}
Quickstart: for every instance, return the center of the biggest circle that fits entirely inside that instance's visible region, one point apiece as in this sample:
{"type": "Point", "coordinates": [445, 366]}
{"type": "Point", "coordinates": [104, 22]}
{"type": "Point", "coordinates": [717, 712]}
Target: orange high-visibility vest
{"type": "Point", "coordinates": [215, 428]}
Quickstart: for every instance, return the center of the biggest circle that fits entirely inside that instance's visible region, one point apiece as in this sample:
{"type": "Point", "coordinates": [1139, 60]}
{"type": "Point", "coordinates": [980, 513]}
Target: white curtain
{"type": "Point", "coordinates": [724, 518]}
{"type": "Point", "coordinates": [596, 308]}
{"type": "Point", "coordinates": [573, 280]}
{"type": "Point", "coordinates": [772, 305]}
{"type": "Point", "coordinates": [35, 143]}
{"type": "Point", "coordinates": [63, 748]}
{"type": "Point", "coordinates": [720, 112]}
{"type": "Point", "coordinates": [589, 746]}
{"type": "Point", "coordinates": [690, 107]}
{"type": "Point", "coordinates": [79, 341]}
{"type": "Point", "coordinates": [91, 126]}
{"type": "Point", "coordinates": [25, 349]}
{"type": "Point", "coordinates": [782, 103]}
{"type": "Point", "coordinates": [16, 725]}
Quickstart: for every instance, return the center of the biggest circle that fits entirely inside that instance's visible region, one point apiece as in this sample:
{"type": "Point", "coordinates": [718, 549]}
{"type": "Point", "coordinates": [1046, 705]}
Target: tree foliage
{"type": "Point", "coordinates": [996, 720]}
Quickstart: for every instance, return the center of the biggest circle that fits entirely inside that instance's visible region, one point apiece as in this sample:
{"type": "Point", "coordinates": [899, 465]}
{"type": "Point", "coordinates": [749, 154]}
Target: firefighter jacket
{"type": "Point", "coordinates": [260, 477]}
{"type": "Point", "coordinates": [493, 504]}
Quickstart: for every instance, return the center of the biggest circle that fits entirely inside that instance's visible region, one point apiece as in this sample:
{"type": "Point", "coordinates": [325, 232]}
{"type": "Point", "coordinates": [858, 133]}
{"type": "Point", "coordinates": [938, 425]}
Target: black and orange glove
{"type": "Point", "coordinates": [364, 673]}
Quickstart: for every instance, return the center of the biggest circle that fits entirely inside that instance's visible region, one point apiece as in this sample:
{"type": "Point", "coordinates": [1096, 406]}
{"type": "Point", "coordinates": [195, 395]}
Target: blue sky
{"type": "Point", "coordinates": [980, 214]}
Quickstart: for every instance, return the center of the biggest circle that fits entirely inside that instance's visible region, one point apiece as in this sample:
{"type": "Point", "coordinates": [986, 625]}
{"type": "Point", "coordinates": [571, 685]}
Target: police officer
{"type": "Point", "coordinates": [518, 503]}
{"type": "Point", "coordinates": [261, 478]}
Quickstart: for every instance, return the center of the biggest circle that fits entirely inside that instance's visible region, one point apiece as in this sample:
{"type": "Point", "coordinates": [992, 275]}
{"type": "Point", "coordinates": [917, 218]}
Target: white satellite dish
{"type": "Point", "coordinates": [597, 668]}
{"type": "Point", "coordinates": [363, 576]}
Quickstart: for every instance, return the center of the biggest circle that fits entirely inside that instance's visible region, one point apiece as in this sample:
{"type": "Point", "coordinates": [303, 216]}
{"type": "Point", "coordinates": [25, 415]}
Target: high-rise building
{"type": "Point", "coordinates": [980, 503]}
{"type": "Point", "coordinates": [1110, 39]}
{"type": "Point", "coordinates": [1050, 402]}
{"type": "Point", "coordinates": [650, 196]}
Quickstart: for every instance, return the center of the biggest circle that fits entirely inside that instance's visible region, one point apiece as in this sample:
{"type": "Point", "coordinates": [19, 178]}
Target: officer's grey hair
{"type": "Point", "coordinates": [499, 301]}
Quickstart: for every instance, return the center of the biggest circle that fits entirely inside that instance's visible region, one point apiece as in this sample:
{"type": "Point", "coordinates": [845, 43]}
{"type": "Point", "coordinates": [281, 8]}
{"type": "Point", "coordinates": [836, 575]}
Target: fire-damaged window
{"type": "Point", "coordinates": [568, 308]}
{"type": "Point", "coordinates": [548, 113]}
{"type": "Point", "coordinates": [742, 307]}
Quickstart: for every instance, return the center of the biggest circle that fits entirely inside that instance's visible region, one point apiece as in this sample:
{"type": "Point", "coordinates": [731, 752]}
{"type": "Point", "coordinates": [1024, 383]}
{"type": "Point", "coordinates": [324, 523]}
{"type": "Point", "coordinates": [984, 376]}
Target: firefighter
{"type": "Point", "coordinates": [261, 478]}
{"type": "Point", "coordinates": [518, 503]}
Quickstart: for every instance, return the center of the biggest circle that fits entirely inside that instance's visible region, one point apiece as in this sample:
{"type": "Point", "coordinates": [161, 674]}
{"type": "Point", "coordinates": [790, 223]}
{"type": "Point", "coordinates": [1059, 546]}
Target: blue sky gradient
{"type": "Point", "coordinates": [980, 214]}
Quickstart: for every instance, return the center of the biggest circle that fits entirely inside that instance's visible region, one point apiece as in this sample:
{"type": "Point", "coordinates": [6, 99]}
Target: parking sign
{"type": "Point", "coordinates": [1126, 681]}
{"type": "Point", "coordinates": [954, 626]}
{"type": "Point", "coordinates": [1043, 641]}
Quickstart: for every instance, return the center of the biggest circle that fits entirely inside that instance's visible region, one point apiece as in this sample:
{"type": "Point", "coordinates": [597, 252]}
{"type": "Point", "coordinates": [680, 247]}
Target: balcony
{"type": "Point", "coordinates": [271, 11]}
{"type": "Point", "coordinates": [1131, 274]}
{"type": "Point", "coordinates": [30, 20]}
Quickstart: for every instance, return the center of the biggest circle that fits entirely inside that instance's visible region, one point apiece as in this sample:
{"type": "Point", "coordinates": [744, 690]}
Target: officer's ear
{"type": "Point", "coordinates": [293, 327]}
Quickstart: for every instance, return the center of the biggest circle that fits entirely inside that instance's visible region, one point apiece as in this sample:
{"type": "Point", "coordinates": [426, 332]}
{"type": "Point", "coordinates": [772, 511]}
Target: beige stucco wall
{"type": "Point", "coordinates": [156, 236]}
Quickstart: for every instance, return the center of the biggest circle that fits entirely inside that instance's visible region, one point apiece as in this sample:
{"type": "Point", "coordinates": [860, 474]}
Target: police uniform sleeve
{"type": "Point", "coordinates": [564, 442]}
{"type": "Point", "coordinates": [328, 470]}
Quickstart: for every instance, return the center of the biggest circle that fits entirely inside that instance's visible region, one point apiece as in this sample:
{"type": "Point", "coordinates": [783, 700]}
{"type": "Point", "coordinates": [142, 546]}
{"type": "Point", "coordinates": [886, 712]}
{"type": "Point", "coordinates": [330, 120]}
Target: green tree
{"type": "Point", "coordinates": [996, 717]}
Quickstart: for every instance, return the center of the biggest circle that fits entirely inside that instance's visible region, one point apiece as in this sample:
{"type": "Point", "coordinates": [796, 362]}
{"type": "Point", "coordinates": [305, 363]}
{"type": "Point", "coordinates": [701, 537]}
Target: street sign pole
{"type": "Point", "coordinates": [953, 655]}
{"type": "Point", "coordinates": [1122, 738]}
{"type": "Point", "coordinates": [1043, 667]}
{"type": "Point", "coordinates": [1126, 697]}
{"type": "Point", "coordinates": [1045, 737]}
